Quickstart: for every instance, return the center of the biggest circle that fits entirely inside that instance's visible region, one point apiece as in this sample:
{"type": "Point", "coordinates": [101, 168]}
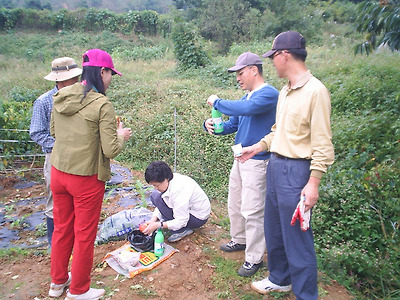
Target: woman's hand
{"type": "Point", "coordinates": [126, 133]}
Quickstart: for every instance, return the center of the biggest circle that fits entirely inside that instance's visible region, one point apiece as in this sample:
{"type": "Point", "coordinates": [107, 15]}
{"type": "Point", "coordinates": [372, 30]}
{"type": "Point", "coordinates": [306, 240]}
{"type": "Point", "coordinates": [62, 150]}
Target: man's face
{"type": "Point", "coordinates": [67, 82]}
{"type": "Point", "coordinates": [246, 77]}
{"type": "Point", "coordinates": [279, 59]}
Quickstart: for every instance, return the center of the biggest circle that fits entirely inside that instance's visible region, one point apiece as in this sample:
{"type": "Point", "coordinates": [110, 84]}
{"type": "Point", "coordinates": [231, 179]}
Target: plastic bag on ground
{"type": "Point", "coordinates": [117, 226]}
{"type": "Point", "coordinates": [123, 259]}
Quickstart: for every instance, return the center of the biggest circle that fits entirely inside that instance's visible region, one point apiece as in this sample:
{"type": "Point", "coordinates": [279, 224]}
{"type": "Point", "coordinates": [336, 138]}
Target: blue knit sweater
{"type": "Point", "coordinates": [251, 118]}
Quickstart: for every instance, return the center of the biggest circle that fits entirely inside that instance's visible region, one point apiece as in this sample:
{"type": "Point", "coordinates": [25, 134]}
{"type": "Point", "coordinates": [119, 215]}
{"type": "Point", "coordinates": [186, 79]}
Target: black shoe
{"type": "Point", "coordinates": [232, 247]}
{"type": "Point", "coordinates": [249, 269]}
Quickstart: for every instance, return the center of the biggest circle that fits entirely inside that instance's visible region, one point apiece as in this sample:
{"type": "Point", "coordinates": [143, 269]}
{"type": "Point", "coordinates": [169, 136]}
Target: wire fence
{"type": "Point", "coordinates": [12, 157]}
{"type": "Point", "coordinates": [35, 155]}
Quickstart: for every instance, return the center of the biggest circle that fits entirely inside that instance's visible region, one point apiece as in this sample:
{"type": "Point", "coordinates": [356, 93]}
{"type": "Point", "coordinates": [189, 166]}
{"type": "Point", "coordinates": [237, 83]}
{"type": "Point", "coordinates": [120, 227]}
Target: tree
{"type": "Point", "coordinates": [33, 4]}
{"type": "Point", "coordinates": [185, 4]}
{"type": "Point", "coordinates": [381, 23]}
{"type": "Point", "coordinates": [258, 4]}
{"type": "Point", "coordinates": [7, 4]}
{"type": "Point", "coordinates": [47, 6]}
{"type": "Point", "coordinates": [96, 3]}
{"type": "Point", "coordinates": [224, 21]}
{"type": "Point", "coordinates": [83, 4]}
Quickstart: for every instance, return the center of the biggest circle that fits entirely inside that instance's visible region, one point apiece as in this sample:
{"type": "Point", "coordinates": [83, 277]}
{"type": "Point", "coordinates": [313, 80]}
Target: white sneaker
{"type": "Point", "coordinates": [91, 294]}
{"type": "Point", "coordinates": [265, 286]}
{"type": "Point", "coordinates": [56, 290]}
{"type": "Point", "coordinates": [178, 236]}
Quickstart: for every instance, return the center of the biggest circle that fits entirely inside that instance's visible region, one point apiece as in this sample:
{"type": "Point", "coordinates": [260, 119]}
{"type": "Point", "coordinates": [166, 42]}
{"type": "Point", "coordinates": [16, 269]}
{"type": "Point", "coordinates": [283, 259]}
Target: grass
{"type": "Point", "coordinates": [14, 254]}
{"type": "Point", "coordinates": [228, 283]}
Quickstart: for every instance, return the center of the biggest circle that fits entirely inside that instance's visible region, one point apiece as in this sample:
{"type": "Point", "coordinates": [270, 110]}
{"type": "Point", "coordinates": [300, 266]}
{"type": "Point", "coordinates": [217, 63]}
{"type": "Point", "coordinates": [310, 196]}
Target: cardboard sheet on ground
{"type": "Point", "coordinates": [129, 262]}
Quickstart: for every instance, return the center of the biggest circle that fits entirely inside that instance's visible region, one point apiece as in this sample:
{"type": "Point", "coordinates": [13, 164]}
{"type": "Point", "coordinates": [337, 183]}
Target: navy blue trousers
{"type": "Point", "coordinates": [167, 213]}
{"type": "Point", "coordinates": [291, 252]}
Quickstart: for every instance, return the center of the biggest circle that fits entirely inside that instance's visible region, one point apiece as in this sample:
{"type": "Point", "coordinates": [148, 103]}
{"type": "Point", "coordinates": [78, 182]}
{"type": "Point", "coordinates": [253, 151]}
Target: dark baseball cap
{"type": "Point", "coordinates": [288, 40]}
{"type": "Point", "coordinates": [244, 60]}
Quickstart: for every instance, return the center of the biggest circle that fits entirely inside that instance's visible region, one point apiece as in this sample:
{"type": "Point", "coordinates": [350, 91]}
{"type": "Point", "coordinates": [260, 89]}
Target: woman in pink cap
{"type": "Point", "coordinates": [87, 135]}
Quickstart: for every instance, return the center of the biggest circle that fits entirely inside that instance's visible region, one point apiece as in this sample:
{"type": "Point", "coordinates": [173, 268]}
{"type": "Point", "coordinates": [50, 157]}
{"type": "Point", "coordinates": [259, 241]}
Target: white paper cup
{"type": "Point", "coordinates": [237, 149]}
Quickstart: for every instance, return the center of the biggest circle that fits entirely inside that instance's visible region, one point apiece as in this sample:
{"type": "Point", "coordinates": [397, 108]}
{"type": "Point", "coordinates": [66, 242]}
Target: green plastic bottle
{"type": "Point", "coordinates": [159, 243]}
{"type": "Point", "coordinates": [217, 120]}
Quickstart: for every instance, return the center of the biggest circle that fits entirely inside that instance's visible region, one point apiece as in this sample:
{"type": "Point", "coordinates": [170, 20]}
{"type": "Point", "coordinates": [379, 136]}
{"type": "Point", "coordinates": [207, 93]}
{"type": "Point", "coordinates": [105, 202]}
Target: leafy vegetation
{"type": "Point", "coordinates": [83, 19]}
{"type": "Point", "coordinates": [187, 48]}
{"type": "Point", "coordinates": [357, 219]}
{"type": "Point", "coordinates": [161, 6]}
{"type": "Point", "coordinates": [381, 23]}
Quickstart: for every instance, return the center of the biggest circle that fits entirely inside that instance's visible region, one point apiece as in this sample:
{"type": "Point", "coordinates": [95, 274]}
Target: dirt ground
{"type": "Point", "coordinates": [189, 274]}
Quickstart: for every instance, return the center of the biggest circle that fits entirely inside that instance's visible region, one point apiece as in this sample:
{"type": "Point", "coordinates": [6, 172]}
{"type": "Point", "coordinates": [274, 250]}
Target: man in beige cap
{"type": "Point", "coordinates": [65, 72]}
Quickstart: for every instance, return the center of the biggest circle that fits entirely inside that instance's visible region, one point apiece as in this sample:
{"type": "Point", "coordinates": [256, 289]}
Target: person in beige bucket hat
{"type": "Point", "coordinates": [62, 69]}
{"type": "Point", "coordinates": [65, 72]}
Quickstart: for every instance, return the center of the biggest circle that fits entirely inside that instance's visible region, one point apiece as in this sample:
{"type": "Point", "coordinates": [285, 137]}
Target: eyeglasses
{"type": "Point", "coordinates": [277, 53]}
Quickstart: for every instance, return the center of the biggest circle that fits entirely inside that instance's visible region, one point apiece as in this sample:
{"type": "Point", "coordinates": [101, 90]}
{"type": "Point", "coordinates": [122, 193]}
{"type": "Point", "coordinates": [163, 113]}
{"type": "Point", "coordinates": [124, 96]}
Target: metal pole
{"type": "Point", "coordinates": [175, 139]}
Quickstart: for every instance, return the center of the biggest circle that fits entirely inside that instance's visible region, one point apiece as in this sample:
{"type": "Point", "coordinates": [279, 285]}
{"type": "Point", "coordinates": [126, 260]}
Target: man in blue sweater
{"type": "Point", "coordinates": [251, 117]}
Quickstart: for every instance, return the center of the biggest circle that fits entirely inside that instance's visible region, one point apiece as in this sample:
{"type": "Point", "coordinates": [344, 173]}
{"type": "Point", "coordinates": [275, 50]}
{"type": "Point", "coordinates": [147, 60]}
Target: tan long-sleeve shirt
{"type": "Point", "coordinates": [302, 128]}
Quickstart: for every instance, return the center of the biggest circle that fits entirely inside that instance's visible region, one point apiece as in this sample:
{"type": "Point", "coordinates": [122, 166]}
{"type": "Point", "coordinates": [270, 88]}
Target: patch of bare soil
{"type": "Point", "coordinates": [188, 274]}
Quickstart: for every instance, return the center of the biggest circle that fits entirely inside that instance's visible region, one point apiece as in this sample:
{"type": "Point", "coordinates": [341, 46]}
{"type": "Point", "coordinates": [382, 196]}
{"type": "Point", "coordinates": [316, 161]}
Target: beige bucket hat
{"type": "Point", "coordinates": [62, 69]}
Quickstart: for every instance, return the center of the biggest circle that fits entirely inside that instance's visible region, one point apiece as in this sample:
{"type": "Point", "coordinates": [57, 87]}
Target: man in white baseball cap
{"type": "Point", "coordinates": [65, 72]}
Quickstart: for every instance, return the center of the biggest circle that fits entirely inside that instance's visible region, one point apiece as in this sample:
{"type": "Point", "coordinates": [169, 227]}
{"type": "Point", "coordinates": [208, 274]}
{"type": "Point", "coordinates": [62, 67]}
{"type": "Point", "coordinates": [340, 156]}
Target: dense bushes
{"type": "Point", "coordinates": [226, 22]}
{"type": "Point", "coordinates": [357, 221]}
{"type": "Point", "coordinates": [145, 22]}
{"type": "Point", "coordinates": [16, 114]}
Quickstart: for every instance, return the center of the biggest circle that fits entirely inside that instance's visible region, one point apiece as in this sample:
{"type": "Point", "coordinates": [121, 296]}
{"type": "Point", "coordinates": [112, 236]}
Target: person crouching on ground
{"type": "Point", "coordinates": [87, 135]}
{"type": "Point", "coordinates": [181, 204]}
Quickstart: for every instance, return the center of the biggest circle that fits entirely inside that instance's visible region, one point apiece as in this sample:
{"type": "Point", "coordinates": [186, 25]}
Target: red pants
{"type": "Point", "coordinates": [76, 211]}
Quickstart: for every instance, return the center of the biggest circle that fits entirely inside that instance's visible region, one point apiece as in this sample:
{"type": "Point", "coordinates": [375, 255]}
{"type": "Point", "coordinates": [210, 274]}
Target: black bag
{"type": "Point", "coordinates": [140, 241]}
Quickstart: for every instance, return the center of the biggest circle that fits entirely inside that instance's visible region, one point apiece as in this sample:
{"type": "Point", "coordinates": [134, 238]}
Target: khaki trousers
{"type": "Point", "coordinates": [246, 201]}
{"type": "Point", "coordinates": [47, 179]}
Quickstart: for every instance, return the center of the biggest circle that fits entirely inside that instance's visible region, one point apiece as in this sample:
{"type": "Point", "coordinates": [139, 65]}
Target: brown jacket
{"type": "Point", "coordinates": [85, 132]}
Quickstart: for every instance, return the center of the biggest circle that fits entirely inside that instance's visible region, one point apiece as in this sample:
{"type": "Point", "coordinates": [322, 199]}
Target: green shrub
{"type": "Point", "coordinates": [148, 22]}
{"type": "Point", "coordinates": [9, 18]}
{"type": "Point", "coordinates": [187, 46]}
{"type": "Point", "coordinates": [15, 115]}
{"type": "Point", "coordinates": [339, 11]}
{"type": "Point", "coordinates": [356, 225]}
{"type": "Point", "coordinates": [92, 19]}
{"type": "Point", "coordinates": [164, 25]}
{"type": "Point", "coordinates": [357, 220]}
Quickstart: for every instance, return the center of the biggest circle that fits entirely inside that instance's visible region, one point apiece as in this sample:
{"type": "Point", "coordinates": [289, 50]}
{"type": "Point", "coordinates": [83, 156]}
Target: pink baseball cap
{"type": "Point", "coordinates": [99, 58]}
